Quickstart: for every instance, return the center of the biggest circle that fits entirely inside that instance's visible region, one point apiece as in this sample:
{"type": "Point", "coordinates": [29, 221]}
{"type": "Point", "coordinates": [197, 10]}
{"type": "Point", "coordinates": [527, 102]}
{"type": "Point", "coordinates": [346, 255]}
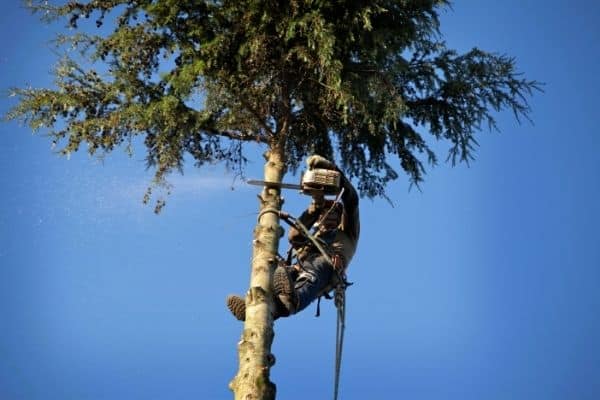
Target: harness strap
{"type": "Point", "coordinates": [296, 223]}
{"type": "Point", "coordinates": [318, 313]}
{"type": "Point", "coordinates": [333, 204]}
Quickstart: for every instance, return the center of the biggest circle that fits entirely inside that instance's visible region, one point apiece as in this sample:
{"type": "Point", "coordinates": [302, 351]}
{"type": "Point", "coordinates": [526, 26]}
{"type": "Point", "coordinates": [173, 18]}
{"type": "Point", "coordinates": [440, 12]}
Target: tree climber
{"type": "Point", "coordinates": [335, 225]}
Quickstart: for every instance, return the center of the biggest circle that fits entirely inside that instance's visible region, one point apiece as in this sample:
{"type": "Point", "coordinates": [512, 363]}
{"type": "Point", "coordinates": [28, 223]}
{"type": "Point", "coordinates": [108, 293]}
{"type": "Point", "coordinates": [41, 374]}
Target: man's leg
{"type": "Point", "coordinates": [291, 297]}
{"type": "Point", "coordinates": [284, 296]}
{"type": "Point", "coordinates": [314, 277]}
{"type": "Point", "coordinates": [237, 306]}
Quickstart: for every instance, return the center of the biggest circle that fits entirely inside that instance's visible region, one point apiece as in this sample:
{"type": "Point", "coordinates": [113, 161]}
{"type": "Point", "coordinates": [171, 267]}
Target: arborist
{"type": "Point", "coordinates": [323, 240]}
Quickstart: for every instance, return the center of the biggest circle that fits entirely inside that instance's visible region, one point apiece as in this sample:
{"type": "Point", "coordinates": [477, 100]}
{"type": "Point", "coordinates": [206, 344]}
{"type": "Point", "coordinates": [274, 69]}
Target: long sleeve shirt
{"type": "Point", "coordinates": [337, 225]}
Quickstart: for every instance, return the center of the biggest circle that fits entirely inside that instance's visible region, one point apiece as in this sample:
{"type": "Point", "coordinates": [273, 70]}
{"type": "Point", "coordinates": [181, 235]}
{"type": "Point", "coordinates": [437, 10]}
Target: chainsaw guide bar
{"type": "Point", "coordinates": [318, 180]}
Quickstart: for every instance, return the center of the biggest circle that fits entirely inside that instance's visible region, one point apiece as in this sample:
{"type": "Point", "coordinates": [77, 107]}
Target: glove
{"type": "Point", "coordinates": [317, 161]}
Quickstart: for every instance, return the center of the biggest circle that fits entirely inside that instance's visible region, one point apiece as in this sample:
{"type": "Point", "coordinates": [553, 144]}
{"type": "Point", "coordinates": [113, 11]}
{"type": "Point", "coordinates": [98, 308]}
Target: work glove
{"type": "Point", "coordinates": [317, 161]}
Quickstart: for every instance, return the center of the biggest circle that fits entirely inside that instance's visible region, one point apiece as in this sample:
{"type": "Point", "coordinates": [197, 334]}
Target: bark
{"type": "Point", "coordinates": [254, 349]}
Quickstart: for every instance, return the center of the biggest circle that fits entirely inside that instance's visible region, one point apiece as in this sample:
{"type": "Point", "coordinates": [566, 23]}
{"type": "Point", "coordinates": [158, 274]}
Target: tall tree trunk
{"type": "Point", "coordinates": [254, 350]}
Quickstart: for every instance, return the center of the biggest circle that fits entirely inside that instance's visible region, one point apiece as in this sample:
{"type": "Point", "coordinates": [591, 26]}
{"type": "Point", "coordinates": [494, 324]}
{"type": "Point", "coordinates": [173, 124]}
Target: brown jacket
{"type": "Point", "coordinates": [329, 217]}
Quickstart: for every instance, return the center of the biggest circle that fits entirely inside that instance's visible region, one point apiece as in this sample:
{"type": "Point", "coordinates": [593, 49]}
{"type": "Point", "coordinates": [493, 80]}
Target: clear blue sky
{"type": "Point", "coordinates": [482, 286]}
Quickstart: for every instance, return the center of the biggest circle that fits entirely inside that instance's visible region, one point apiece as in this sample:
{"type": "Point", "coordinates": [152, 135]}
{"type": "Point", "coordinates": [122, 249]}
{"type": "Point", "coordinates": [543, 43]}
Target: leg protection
{"type": "Point", "coordinates": [312, 280]}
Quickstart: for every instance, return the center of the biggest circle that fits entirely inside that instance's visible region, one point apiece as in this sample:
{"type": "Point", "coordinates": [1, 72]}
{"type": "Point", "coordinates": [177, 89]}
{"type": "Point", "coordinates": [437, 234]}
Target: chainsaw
{"type": "Point", "coordinates": [314, 182]}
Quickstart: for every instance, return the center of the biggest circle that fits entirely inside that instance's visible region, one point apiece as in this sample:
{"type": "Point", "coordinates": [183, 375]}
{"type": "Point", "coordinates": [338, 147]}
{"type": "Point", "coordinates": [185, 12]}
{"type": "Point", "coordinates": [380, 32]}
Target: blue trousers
{"type": "Point", "coordinates": [313, 278]}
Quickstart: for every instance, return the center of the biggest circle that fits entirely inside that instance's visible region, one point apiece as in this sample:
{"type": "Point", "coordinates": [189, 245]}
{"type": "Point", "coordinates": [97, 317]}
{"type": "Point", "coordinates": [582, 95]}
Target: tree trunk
{"type": "Point", "coordinates": [254, 349]}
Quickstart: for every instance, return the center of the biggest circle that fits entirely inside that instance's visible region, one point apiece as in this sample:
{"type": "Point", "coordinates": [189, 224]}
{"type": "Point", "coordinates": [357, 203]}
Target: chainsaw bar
{"type": "Point", "coordinates": [314, 181]}
{"type": "Point", "coordinates": [274, 184]}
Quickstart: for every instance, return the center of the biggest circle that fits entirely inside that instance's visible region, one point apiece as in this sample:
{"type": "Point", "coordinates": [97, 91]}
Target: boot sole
{"type": "Point", "coordinates": [237, 306]}
{"type": "Point", "coordinates": [285, 295]}
{"type": "Point", "coordinates": [282, 282]}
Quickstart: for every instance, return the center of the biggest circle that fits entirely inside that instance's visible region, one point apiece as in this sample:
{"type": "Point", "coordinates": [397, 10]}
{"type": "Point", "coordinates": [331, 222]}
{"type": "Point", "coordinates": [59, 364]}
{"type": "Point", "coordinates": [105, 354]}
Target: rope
{"type": "Point", "coordinates": [340, 304]}
{"type": "Point", "coordinates": [326, 214]}
{"type": "Point", "coordinates": [296, 223]}
{"type": "Point", "coordinates": [339, 297]}
{"type": "Point", "coordinates": [266, 211]}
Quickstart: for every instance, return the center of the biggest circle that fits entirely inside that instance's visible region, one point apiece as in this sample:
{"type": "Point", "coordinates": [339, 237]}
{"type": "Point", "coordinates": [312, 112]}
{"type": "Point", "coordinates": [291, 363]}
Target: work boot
{"type": "Point", "coordinates": [237, 306]}
{"type": "Point", "coordinates": [285, 295]}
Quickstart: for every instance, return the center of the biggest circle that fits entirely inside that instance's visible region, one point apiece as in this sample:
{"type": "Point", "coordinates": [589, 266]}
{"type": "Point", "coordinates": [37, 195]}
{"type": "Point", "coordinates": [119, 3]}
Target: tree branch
{"type": "Point", "coordinates": [258, 117]}
{"type": "Point", "coordinates": [243, 136]}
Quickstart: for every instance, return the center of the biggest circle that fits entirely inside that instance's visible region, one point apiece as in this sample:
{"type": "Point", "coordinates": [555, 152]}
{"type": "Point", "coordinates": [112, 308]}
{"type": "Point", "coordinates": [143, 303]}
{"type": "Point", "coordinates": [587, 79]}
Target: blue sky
{"type": "Point", "coordinates": [481, 286]}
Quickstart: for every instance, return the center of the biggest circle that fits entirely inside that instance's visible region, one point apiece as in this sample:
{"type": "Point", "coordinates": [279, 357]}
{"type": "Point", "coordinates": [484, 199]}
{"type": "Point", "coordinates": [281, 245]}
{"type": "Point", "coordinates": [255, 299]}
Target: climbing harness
{"type": "Point", "coordinates": [339, 295]}
{"type": "Point", "coordinates": [292, 221]}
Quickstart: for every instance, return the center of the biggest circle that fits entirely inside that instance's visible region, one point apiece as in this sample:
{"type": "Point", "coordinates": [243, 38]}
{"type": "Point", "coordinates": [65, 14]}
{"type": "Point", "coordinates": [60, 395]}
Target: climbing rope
{"type": "Point", "coordinates": [266, 211]}
{"type": "Point", "coordinates": [304, 230]}
{"type": "Point", "coordinates": [340, 304]}
{"type": "Point", "coordinates": [339, 298]}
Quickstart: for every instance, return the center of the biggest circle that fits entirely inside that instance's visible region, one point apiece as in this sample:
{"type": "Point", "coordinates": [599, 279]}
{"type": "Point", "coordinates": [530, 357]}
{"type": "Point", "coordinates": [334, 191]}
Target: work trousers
{"type": "Point", "coordinates": [315, 275]}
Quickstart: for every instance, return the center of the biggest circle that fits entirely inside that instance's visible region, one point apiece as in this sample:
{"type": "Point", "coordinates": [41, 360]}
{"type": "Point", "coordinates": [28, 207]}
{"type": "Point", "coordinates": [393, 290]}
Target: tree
{"type": "Point", "coordinates": [370, 82]}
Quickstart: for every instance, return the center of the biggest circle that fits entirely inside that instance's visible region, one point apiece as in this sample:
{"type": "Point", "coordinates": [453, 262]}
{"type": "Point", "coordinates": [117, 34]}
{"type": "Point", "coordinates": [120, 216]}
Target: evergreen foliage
{"type": "Point", "coordinates": [369, 81]}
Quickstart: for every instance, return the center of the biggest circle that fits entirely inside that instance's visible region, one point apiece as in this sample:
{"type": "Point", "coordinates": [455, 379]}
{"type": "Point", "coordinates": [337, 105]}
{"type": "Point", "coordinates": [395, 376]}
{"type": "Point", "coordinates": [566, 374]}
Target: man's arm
{"type": "Point", "coordinates": [307, 218]}
{"type": "Point", "coordinates": [349, 197]}
{"type": "Point", "coordinates": [350, 200]}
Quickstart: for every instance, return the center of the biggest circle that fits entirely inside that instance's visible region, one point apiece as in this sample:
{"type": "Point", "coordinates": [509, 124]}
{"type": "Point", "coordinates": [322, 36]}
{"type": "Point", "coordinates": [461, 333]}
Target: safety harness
{"type": "Point", "coordinates": [341, 283]}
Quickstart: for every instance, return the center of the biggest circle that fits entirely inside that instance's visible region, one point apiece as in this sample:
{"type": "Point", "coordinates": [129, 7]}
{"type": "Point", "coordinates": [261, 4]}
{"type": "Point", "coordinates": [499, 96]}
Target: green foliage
{"type": "Point", "coordinates": [366, 80]}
